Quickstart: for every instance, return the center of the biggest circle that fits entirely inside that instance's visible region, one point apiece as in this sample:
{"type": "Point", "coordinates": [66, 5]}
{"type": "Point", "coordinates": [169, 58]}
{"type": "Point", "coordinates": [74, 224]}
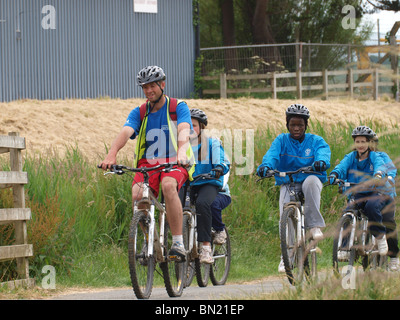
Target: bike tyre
{"type": "Point", "coordinates": [217, 277]}
{"type": "Point", "coordinates": [292, 256]}
{"type": "Point", "coordinates": [344, 226]}
{"type": "Point", "coordinates": [141, 269]}
{"type": "Point", "coordinates": [173, 272]}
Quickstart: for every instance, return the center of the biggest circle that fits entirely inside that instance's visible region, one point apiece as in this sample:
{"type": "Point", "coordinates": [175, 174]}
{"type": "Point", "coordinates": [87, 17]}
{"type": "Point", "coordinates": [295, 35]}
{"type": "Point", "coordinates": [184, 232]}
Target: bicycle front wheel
{"type": "Point", "coordinates": [174, 272]}
{"type": "Point", "coordinates": [222, 262]}
{"type": "Point", "coordinates": [292, 246]}
{"type": "Point", "coordinates": [141, 265]}
{"type": "Point", "coordinates": [342, 254]}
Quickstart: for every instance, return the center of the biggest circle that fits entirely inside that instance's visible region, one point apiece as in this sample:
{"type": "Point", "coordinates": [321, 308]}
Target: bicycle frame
{"type": "Point", "coordinates": [190, 211]}
{"type": "Point", "coordinates": [155, 240]}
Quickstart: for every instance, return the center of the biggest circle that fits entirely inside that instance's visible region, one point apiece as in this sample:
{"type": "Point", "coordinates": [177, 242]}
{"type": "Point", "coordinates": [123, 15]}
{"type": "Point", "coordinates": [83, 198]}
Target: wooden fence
{"type": "Point", "coordinates": [348, 85]}
{"type": "Point", "coordinates": [16, 179]}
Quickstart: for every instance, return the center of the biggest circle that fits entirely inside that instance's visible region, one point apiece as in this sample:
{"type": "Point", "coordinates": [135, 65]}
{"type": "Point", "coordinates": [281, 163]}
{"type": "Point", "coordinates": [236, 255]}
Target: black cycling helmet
{"type": "Point", "coordinates": [199, 115]}
{"type": "Point", "coordinates": [363, 131]}
{"type": "Point", "coordinates": [150, 74]}
{"type": "Point", "coordinates": [298, 110]}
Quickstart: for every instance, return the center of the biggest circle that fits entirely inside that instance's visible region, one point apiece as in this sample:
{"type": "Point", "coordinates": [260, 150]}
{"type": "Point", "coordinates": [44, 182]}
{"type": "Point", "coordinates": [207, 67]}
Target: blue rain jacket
{"type": "Point", "coordinates": [288, 154]}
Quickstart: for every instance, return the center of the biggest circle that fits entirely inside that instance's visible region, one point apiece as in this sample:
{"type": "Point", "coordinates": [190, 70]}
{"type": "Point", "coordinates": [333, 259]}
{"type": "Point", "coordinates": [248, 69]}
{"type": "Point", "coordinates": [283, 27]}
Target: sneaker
{"type": "Point", "coordinates": [382, 246]}
{"type": "Point", "coordinates": [281, 267]}
{"type": "Point", "coordinates": [206, 255]}
{"type": "Point", "coordinates": [177, 252]}
{"type": "Point", "coordinates": [343, 255]}
{"type": "Point", "coordinates": [219, 237]}
{"type": "Point", "coordinates": [316, 234]}
{"type": "Point", "coordinates": [394, 264]}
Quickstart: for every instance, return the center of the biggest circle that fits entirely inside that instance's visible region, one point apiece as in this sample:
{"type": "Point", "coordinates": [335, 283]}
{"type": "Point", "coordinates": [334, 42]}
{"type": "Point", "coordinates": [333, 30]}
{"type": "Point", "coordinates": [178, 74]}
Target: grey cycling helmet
{"type": "Point", "coordinates": [298, 110]}
{"type": "Point", "coordinates": [199, 115]}
{"type": "Point", "coordinates": [363, 131]}
{"type": "Point", "coordinates": [150, 74]}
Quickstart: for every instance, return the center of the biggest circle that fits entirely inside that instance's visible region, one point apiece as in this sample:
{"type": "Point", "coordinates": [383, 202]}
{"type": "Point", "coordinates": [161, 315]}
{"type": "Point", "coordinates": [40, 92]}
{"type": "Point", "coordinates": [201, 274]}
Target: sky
{"type": "Point", "coordinates": [386, 22]}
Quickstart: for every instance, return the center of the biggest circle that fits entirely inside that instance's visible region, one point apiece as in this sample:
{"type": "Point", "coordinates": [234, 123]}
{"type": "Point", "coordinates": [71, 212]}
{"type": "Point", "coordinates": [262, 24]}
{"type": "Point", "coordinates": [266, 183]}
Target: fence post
{"type": "Point", "coordinates": [299, 85]}
{"type": "Point", "coordinates": [351, 82]}
{"type": "Point", "coordinates": [222, 85]}
{"type": "Point", "coordinates": [16, 179]}
{"type": "Point", "coordinates": [274, 93]}
{"type": "Point", "coordinates": [376, 83]}
{"type": "Point", "coordinates": [325, 83]}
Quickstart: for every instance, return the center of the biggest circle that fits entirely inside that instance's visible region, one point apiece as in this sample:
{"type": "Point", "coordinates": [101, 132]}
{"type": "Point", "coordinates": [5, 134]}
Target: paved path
{"type": "Point", "coordinates": [229, 291]}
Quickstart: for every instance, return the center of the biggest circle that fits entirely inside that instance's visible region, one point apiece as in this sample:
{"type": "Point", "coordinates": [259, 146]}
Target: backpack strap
{"type": "Point", "coordinates": [143, 109]}
{"type": "Point", "coordinates": [173, 103]}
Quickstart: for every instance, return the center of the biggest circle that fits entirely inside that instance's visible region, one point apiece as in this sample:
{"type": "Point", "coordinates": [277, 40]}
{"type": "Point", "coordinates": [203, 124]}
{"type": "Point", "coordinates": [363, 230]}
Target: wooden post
{"type": "Point", "coordinates": [21, 236]}
{"type": "Point", "coordinates": [376, 84]}
{"type": "Point", "coordinates": [351, 83]}
{"type": "Point", "coordinates": [18, 215]}
{"type": "Point", "coordinates": [274, 93]}
{"type": "Point", "coordinates": [325, 83]}
{"type": "Point", "coordinates": [222, 86]}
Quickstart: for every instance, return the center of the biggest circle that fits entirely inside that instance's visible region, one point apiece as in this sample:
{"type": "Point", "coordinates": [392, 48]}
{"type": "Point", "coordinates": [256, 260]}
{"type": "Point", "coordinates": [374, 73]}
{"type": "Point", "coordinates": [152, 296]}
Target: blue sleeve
{"type": "Point", "coordinates": [344, 165]}
{"type": "Point", "coordinates": [183, 114]}
{"type": "Point", "coordinates": [271, 158]}
{"type": "Point", "coordinates": [133, 121]}
{"type": "Point", "coordinates": [218, 156]}
{"type": "Point", "coordinates": [390, 168]}
{"type": "Point", "coordinates": [378, 163]}
{"type": "Point", "coordinates": [323, 152]}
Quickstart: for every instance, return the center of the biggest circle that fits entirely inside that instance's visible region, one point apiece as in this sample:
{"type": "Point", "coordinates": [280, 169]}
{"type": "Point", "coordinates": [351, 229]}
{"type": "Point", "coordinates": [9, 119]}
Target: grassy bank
{"type": "Point", "coordinates": [80, 218]}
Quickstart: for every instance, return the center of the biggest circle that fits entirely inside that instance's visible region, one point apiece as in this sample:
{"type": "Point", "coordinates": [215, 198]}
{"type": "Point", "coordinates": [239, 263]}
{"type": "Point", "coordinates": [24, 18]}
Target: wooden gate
{"type": "Point", "coordinates": [16, 179]}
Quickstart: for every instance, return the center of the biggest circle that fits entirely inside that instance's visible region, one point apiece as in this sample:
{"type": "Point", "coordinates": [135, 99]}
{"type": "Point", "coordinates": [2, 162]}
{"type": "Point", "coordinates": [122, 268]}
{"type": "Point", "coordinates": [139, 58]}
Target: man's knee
{"type": "Point", "coordinates": [169, 186]}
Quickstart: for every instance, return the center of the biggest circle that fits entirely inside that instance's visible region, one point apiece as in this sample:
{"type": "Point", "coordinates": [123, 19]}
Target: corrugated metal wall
{"type": "Point", "coordinates": [96, 48]}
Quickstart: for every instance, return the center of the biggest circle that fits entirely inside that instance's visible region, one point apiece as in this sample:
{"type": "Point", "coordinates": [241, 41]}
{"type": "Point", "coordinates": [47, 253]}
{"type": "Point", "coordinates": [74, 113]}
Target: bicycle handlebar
{"type": "Point", "coordinates": [121, 169]}
{"type": "Point", "coordinates": [204, 176]}
{"type": "Point", "coordinates": [283, 174]}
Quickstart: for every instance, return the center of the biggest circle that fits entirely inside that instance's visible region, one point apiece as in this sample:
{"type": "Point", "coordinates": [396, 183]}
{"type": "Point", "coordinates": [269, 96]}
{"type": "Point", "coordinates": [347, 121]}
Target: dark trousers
{"type": "Point", "coordinates": [219, 204]}
{"type": "Point", "coordinates": [372, 203]}
{"type": "Point", "coordinates": [388, 220]}
{"type": "Point", "coordinates": [204, 196]}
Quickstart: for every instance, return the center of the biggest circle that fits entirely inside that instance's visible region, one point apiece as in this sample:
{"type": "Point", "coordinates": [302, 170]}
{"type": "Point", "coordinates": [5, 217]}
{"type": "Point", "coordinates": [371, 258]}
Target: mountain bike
{"type": "Point", "coordinates": [353, 241]}
{"type": "Point", "coordinates": [296, 248]}
{"type": "Point", "coordinates": [150, 239]}
{"type": "Point", "coordinates": [218, 271]}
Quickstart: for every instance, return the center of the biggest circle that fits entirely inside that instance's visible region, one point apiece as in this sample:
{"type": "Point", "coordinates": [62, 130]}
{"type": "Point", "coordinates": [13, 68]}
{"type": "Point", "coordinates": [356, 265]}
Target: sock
{"type": "Point", "coordinates": [178, 239]}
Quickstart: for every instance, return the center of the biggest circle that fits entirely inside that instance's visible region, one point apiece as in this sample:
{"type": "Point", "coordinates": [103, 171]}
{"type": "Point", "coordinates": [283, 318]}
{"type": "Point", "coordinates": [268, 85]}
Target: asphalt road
{"type": "Point", "coordinates": [228, 291]}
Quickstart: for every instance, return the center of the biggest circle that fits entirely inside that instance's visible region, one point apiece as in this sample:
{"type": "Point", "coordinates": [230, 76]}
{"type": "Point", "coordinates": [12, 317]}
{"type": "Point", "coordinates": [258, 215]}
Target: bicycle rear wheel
{"type": "Point", "coordinates": [222, 262]}
{"type": "Point", "coordinates": [190, 268]}
{"type": "Point", "coordinates": [292, 246]}
{"type": "Point", "coordinates": [174, 272]}
{"type": "Point", "coordinates": [141, 265]}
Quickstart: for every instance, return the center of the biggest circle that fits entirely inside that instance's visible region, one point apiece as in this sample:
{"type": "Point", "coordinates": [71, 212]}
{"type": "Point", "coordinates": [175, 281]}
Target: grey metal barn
{"type": "Point", "coordinates": [57, 49]}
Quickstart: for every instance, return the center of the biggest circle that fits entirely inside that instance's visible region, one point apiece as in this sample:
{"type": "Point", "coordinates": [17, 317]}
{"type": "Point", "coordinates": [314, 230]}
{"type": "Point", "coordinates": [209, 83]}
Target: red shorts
{"type": "Point", "coordinates": [156, 176]}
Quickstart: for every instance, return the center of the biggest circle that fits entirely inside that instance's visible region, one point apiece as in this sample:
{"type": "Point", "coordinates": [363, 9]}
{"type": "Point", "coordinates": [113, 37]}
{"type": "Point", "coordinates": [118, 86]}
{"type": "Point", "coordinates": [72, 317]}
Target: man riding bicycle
{"type": "Point", "coordinates": [161, 139]}
{"type": "Point", "coordinates": [294, 150]}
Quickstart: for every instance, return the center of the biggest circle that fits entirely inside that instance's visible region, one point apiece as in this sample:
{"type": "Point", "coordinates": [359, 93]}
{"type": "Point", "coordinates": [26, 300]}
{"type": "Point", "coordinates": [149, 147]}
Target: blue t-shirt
{"type": "Point", "coordinates": [158, 141]}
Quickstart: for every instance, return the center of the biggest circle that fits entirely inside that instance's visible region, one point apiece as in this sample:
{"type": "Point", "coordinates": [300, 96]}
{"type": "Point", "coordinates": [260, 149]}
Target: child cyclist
{"type": "Point", "coordinates": [294, 150]}
{"type": "Point", "coordinates": [388, 214]}
{"type": "Point", "coordinates": [360, 166]}
{"type": "Point", "coordinates": [210, 157]}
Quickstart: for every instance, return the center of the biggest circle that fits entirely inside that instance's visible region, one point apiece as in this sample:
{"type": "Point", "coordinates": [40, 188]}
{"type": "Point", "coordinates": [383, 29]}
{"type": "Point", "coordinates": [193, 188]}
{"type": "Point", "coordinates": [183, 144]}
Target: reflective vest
{"type": "Point", "coordinates": [172, 127]}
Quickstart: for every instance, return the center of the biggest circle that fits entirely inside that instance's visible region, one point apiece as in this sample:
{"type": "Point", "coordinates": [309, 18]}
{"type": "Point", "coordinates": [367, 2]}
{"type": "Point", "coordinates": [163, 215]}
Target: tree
{"type": "Point", "coordinates": [385, 5]}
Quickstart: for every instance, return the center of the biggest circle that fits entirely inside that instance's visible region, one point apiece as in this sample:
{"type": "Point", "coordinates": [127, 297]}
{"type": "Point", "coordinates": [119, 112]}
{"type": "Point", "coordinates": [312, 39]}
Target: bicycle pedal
{"type": "Point", "coordinates": [176, 258]}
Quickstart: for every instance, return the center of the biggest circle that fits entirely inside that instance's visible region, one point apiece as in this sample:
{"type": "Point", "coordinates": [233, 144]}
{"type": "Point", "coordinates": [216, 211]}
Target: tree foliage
{"type": "Point", "coordinates": [276, 21]}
